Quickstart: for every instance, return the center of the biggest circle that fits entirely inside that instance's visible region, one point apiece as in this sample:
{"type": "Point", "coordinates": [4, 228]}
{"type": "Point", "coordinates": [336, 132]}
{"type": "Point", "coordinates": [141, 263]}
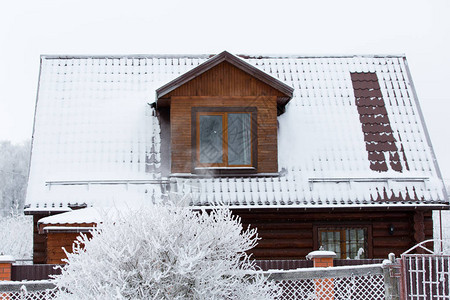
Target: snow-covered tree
{"type": "Point", "coordinates": [16, 236]}
{"type": "Point", "coordinates": [14, 160]}
{"type": "Point", "coordinates": [165, 252]}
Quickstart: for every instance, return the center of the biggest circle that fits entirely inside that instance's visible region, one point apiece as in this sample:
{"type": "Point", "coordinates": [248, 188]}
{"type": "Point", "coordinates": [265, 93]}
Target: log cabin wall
{"type": "Point", "coordinates": [224, 86]}
{"type": "Point", "coordinates": [57, 241]}
{"type": "Point", "coordinates": [39, 241]}
{"type": "Point", "coordinates": [289, 234]}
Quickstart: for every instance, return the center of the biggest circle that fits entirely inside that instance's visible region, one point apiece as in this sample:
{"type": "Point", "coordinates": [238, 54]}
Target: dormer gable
{"type": "Point", "coordinates": [225, 75]}
{"type": "Point", "coordinates": [223, 117]}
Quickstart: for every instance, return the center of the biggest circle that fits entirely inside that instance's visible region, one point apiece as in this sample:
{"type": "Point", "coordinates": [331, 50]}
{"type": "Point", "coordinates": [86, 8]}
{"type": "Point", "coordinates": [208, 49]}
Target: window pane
{"type": "Point", "coordinates": [330, 241]}
{"type": "Point", "coordinates": [346, 242]}
{"type": "Point", "coordinates": [239, 139]}
{"type": "Point", "coordinates": [211, 139]}
{"type": "Point", "coordinates": [357, 243]}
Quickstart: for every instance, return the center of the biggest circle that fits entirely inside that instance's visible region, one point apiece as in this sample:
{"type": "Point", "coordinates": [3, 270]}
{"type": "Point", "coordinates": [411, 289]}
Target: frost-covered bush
{"type": "Point", "coordinates": [165, 253]}
{"type": "Point", "coordinates": [16, 236]}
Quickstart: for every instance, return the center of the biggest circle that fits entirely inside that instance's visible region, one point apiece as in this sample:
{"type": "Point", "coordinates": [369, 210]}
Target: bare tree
{"type": "Point", "coordinates": [164, 252]}
{"type": "Point", "coordinates": [14, 162]}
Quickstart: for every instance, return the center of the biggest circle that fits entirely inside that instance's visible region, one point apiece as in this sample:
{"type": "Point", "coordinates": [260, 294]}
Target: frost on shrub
{"type": "Point", "coordinates": [165, 253]}
{"type": "Point", "coordinates": [16, 236]}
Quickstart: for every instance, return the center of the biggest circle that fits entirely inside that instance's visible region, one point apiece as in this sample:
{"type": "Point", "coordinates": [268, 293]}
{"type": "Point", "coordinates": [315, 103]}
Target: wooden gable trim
{"type": "Point", "coordinates": [285, 89]}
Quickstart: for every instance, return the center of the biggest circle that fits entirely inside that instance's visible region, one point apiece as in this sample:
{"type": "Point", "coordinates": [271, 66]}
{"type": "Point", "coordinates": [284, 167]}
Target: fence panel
{"type": "Point", "coordinates": [426, 276]}
{"type": "Point", "coordinates": [33, 272]}
{"type": "Point", "coordinates": [32, 290]}
{"type": "Point", "coordinates": [266, 265]}
{"type": "Point", "coordinates": [338, 283]}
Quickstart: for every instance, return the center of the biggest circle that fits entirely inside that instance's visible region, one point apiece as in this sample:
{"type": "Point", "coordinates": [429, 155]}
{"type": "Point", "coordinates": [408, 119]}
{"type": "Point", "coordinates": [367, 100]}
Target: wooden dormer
{"type": "Point", "coordinates": [223, 118]}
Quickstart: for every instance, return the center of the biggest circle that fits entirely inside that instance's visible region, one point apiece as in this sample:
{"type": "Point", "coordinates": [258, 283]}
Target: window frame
{"type": "Point", "coordinates": [223, 168]}
{"type": "Point", "coordinates": [340, 226]}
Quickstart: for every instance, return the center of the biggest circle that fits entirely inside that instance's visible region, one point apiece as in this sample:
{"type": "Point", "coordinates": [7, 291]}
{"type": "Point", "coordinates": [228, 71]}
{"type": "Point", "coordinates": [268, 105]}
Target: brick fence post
{"type": "Point", "coordinates": [6, 262]}
{"type": "Point", "coordinates": [324, 288]}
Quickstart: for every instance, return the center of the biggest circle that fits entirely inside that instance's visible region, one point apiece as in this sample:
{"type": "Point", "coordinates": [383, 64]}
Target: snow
{"type": "Point", "coordinates": [28, 282]}
{"type": "Point", "coordinates": [66, 229]}
{"type": "Point", "coordinates": [168, 252]}
{"type": "Point", "coordinates": [94, 126]}
{"type": "Point", "coordinates": [84, 215]}
{"type": "Point", "coordinates": [89, 214]}
{"type": "Point", "coordinates": [16, 236]}
{"type": "Point", "coordinates": [338, 268]}
{"type": "Point", "coordinates": [321, 253]}
{"type": "Point", "coordinates": [6, 259]}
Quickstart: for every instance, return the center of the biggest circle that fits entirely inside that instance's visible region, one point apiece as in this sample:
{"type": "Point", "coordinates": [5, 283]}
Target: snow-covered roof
{"type": "Point", "coordinates": [79, 216]}
{"type": "Point", "coordinates": [97, 140]}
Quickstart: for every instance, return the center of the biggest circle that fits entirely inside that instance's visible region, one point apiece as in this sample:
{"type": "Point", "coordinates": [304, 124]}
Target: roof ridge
{"type": "Point", "coordinates": [244, 56]}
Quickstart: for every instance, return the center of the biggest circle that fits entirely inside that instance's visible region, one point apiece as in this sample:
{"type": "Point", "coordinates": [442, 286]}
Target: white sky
{"type": "Point", "coordinates": [420, 29]}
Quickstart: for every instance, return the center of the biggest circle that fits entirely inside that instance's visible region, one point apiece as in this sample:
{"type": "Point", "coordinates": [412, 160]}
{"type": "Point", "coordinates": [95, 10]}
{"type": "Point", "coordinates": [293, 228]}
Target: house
{"type": "Point", "coordinates": [325, 151]}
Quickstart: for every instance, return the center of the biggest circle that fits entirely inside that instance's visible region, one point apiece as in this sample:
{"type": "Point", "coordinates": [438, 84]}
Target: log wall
{"type": "Point", "coordinates": [55, 244]}
{"type": "Point", "coordinates": [289, 234]}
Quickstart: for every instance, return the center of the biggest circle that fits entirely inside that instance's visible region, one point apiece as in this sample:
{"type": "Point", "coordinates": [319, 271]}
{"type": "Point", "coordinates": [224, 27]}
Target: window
{"type": "Point", "coordinates": [346, 242]}
{"type": "Point", "coordinates": [224, 137]}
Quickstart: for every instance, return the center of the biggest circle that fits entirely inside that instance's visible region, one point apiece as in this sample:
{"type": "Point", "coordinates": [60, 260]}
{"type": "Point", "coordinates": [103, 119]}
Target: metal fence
{"type": "Point", "coordinates": [281, 264]}
{"type": "Point", "coordinates": [426, 276]}
{"type": "Point", "coordinates": [413, 276]}
{"type": "Point", "coordinates": [27, 290]}
{"type": "Point", "coordinates": [339, 283]}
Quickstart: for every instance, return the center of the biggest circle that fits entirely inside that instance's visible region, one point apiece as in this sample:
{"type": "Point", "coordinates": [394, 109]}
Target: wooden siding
{"type": "Point", "coordinates": [289, 234]}
{"type": "Point", "coordinates": [55, 243]}
{"type": "Point", "coordinates": [225, 80]}
{"type": "Point", "coordinates": [180, 115]}
{"type": "Point", "coordinates": [223, 86]}
{"type": "Point", "coordinates": [39, 240]}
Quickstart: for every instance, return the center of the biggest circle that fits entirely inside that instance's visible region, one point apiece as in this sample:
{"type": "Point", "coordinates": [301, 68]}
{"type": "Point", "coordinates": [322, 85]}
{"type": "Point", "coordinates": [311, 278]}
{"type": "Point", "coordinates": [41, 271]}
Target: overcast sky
{"type": "Point", "coordinates": [420, 29]}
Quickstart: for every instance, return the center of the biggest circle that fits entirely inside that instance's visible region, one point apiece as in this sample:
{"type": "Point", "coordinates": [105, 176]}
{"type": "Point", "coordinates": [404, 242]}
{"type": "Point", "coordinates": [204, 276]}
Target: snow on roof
{"type": "Point", "coordinates": [79, 216]}
{"type": "Point", "coordinates": [97, 140]}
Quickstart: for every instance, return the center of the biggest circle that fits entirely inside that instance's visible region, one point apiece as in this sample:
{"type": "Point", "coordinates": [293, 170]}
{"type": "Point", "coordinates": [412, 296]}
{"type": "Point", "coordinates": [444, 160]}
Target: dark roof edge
{"type": "Point", "coordinates": [206, 56]}
{"type": "Point", "coordinates": [235, 61]}
{"type": "Point", "coordinates": [359, 207]}
{"type": "Point", "coordinates": [427, 135]}
{"type": "Point", "coordinates": [372, 207]}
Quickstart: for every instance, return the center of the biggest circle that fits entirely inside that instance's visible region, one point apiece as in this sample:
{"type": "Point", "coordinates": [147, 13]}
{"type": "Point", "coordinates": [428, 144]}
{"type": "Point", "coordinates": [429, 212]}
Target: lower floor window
{"type": "Point", "coordinates": [346, 242]}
